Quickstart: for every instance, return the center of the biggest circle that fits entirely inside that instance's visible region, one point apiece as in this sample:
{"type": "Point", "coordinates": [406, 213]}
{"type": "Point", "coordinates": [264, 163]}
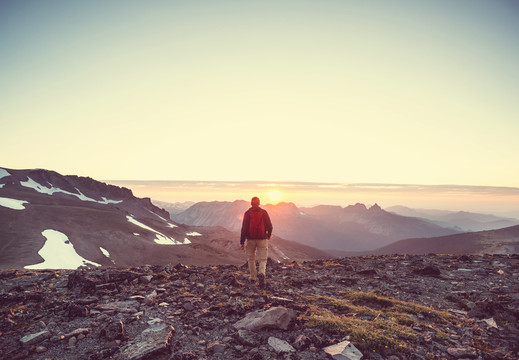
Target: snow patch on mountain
{"type": "Point", "coordinates": [108, 201]}
{"type": "Point", "coordinates": [281, 253]}
{"type": "Point", "coordinates": [160, 237]}
{"type": "Point", "coordinates": [30, 183]}
{"type": "Point", "coordinates": [166, 221]}
{"type": "Point", "coordinates": [4, 173]}
{"type": "Point", "coordinates": [59, 253]}
{"type": "Point", "coordinates": [12, 203]}
{"type": "Point", "coordinates": [105, 252]}
{"type": "Point", "coordinates": [194, 233]}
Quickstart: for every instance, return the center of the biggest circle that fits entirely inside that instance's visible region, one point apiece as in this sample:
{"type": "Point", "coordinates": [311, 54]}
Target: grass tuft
{"type": "Point", "coordinates": [375, 322]}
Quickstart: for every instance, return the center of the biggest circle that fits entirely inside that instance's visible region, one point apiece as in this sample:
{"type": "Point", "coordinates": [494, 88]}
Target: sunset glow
{"type": "Point", "coordinates": [274, 196]}
{"type": "Point", "coordinates": [456, 198]}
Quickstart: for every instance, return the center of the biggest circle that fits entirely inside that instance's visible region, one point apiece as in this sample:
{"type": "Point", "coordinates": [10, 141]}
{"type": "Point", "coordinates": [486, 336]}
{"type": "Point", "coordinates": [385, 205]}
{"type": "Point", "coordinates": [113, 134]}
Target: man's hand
{"type": "Point", "coordinates": [242, 246]}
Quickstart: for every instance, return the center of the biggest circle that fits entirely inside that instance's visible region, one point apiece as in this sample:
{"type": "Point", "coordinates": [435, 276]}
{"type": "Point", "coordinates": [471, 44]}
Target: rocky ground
{"type": "Point", "coordinates": [388, 307]}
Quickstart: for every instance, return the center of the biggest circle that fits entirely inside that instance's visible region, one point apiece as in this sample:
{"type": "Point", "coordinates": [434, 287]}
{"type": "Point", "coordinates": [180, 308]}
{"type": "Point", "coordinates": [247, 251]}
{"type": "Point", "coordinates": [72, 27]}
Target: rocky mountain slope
{"type": "Point", "coordinates": [458, 220]}
{"type": "Point", "coordinates": [500, 241]}
{"type": "Point", "coordinates": [385, 307]}
{"type": "Point", "coordinates": [48, 220]}
{"type": "Point", "coordinates": [352, 228]}
{"type": "Point", "coordinates": [174, 208]}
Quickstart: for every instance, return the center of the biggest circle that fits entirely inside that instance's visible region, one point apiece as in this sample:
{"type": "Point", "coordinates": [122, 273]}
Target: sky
{"type": "Point", "coordinates": [389, 92]}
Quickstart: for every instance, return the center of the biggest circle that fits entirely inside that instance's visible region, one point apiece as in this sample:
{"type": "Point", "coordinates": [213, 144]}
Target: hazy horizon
{"type": "Point", "coordinates": [501, 201]}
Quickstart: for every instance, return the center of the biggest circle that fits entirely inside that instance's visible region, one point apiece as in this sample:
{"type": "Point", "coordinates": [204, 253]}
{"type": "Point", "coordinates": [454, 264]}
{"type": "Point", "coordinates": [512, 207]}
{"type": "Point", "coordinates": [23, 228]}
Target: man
{"type": "Point", "coordinates": [256, 229]}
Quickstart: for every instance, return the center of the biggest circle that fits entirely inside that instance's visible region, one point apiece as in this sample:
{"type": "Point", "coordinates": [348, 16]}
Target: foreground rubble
{"type": "Point", "coordinates": [385, 307]}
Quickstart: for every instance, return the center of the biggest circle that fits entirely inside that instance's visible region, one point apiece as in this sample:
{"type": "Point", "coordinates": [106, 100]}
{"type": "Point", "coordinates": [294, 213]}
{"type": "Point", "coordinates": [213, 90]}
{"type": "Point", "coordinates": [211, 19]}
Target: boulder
{"type": "Point", "coordinates": [81, 281]}
{"type": "Point", "coordinates": [486, 309]}
{"type": "Point", "coordinates": [153, 341]}
{"type": "Point", "coordinates": [429, 270]}
{"type": "Point", "coordinates": [114, 275]}
{"type": "Point", "coordinates": [276, 317]}
{"type": "Point", "coordinates": [112, 330]}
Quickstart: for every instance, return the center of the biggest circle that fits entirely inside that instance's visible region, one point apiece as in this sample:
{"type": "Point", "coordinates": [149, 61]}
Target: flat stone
{"type": "Point", "coordinates": [491, 322]}
{"type": "Point", "coordinates": [120, 275]}
{"type": "Point", "coordinates": [145, 279]}
{"type": "Point", "coordinates": [302, 342]}
{"type": "Point", "coordinates": [79, 331]}
{"type": "Point", "coordinates": [35, 338]}
{"type": "Point", "coordinates": [249, 338]}
{"type": "Point", "coordinates": [130, 306]}
{"type": "Point", "coordinates": [343, 351]}
{"type": "Point", "coordinates": [280, 300]}
{"type": "Point", "coordinates": [155, 321]}
{"type": "Point", "coordinates": [40, 349]}
{"type": "Point", "coordinates": [280, 346]}
{"type": "Point", "coordinates": [188, 306]}
{"type": "Point", "coordinates": [462, 353]}
{"type": "Point", "coordinates": [216, 348]}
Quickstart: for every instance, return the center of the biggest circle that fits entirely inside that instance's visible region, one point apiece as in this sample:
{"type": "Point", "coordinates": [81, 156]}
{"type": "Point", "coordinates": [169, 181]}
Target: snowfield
{"type": "Point", "coordinates": [30, 183]}
{"type": "Point", "coordinates": [194, 233]}
{"type": "Point", "coordinates": [161, 238]}
{"type": "Point", "coordinates": [13, 203]}
{"type": "Point", "coordinates": [166, 221]}
{"type": "Point", "coordinates": [59, 253]}
{"type": "Point", "coordinates": [4, 173]}
{"type": "Point", "coordinates": [105, 252]}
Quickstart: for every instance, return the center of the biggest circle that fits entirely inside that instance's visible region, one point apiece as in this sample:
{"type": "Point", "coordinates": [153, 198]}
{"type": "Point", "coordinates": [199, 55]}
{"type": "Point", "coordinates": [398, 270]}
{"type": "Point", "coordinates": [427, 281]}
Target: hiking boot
{"type": "Point", "coordinates": [261, 279]}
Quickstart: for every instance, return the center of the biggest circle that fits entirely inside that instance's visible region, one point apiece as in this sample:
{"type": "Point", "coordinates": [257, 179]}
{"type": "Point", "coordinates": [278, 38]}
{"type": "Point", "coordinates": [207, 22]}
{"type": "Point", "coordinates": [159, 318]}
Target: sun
{"type": "Point", "coordinates": [274, 196]}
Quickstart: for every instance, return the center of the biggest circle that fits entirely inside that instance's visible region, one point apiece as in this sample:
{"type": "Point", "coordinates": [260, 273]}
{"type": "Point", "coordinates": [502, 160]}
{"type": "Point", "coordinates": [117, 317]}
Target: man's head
{"type": "Point", "coordinates": [255, 201]}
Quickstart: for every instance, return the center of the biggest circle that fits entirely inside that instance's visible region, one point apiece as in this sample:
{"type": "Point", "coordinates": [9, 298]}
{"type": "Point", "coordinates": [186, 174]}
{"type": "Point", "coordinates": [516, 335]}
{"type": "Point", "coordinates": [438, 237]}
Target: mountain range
{"type": "Point", "coordinates": [48, 220]}
{"type": "Point", "coordinates": [499, 241]}
{"type": "Point", "coordinates": [457, 220]}
{"type": "Point", "coordinates": [351, 228]}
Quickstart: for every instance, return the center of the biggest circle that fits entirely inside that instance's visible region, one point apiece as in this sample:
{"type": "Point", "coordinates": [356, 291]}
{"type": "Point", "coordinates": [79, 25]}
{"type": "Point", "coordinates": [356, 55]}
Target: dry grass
{"type": "Point", "coordinates": [375, 322]}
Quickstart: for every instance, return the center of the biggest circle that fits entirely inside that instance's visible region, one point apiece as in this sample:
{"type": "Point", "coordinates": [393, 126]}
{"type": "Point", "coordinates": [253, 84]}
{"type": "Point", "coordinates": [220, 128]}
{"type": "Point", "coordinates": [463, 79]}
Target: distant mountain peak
{"type": "Point", "coordinates": [357, 206]}
{"type": "Point", "coordinates": [375, 207]}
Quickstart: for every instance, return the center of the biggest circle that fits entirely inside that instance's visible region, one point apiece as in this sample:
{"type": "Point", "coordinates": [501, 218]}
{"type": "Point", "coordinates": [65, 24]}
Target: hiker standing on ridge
{"type": "Point", "coordinates": [256, 229]}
